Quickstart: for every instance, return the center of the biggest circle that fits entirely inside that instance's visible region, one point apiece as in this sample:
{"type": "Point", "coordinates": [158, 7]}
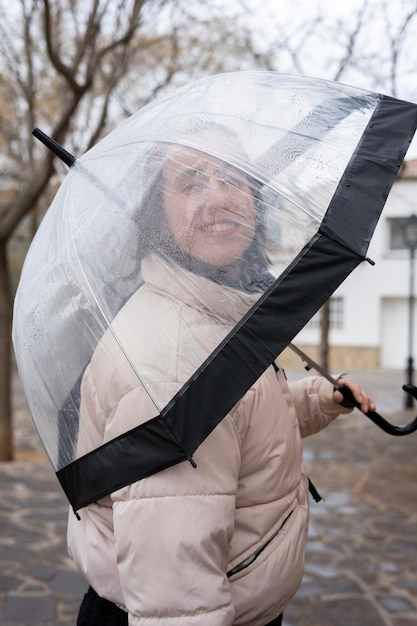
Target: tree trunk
{"type": "Point", "coordinates": [324, 339]}
{"type": "Point", "coordinates": [6, 439]}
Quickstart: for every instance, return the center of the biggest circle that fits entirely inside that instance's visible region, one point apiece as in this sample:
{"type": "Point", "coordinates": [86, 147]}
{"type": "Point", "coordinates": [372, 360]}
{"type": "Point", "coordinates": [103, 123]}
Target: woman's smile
{"type": "Point", "coordinates": [219, 227]}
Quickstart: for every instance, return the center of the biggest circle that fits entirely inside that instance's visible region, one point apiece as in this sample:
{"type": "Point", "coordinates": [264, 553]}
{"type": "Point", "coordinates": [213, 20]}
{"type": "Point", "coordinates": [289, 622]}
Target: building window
{"type": "Point", "coordinates": [335, 315]}
{"type": "Point", "coordinates": [396, 239]}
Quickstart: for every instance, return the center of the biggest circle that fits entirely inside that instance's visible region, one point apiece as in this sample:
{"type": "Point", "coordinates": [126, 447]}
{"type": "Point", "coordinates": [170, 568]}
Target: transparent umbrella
{"type": "Point", "coordinates": [185, 251]}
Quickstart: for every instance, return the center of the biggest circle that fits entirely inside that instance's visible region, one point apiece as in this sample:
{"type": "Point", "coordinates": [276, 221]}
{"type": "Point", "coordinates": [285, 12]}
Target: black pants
{"type": "Point", "coordinates": [96, 611]}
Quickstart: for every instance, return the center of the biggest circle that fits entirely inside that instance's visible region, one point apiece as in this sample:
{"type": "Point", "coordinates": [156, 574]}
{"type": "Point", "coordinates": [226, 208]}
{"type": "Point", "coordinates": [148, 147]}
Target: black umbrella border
{"type": "Point", "coordinates": [323, 264]}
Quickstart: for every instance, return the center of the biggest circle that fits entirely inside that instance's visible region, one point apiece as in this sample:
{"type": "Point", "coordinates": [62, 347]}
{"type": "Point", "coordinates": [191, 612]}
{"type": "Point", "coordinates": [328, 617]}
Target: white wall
{"type": "Point", "coordinates": [375, 297]}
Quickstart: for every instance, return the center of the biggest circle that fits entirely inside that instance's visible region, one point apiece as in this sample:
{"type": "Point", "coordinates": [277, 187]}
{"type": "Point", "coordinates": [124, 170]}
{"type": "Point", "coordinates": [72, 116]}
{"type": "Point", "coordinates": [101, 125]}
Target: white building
{"type": "Point", "coordinates": [370, 310]}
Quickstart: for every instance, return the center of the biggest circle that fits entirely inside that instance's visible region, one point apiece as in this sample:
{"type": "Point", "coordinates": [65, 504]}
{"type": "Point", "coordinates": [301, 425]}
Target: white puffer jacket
{"type": "Point", "coordinates": [221, 544]}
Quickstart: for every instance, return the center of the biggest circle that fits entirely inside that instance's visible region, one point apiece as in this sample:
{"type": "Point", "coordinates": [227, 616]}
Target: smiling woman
{"type": "Point", "coordinates": [149, 319]}
{"type": "Point", "coordinates": [204, 264]}
{"type": "Point", "coordinates": [209, 207]}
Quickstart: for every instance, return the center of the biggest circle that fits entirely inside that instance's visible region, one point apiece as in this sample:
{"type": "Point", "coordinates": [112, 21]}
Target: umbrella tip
{"type": "Point", "coordinates": [54, 146]}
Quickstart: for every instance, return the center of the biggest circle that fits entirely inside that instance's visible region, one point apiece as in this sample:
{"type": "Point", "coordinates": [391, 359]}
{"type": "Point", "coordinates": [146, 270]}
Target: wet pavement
{"type": "Point", "coordinates": [361, 562]}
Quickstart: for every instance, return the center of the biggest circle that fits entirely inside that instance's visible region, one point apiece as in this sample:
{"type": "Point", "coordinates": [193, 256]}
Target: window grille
{"type": "Point", "coordinates": [336, 310]}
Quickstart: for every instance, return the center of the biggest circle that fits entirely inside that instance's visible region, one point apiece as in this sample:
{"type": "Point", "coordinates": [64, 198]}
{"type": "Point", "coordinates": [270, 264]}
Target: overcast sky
{"type": "Point", "coordinates": [270, 12]}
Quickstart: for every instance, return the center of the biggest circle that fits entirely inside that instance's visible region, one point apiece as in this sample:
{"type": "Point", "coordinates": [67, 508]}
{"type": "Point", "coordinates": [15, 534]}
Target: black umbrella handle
{"type": "Point", "coordinates": [397, 431]}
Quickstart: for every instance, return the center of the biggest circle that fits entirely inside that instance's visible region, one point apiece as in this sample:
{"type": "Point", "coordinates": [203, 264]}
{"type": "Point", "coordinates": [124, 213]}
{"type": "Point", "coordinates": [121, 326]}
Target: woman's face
{"type": "Point", "coordinates": [208, 207]}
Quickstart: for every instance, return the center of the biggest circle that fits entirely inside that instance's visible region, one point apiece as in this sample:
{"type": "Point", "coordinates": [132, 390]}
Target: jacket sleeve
{"type": "Point", "coordinates": [172, 532]}
{"type": "Point", "coordinates": [313, 400]}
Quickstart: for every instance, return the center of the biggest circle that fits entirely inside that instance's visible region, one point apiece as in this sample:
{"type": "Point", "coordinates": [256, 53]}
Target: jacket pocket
{"type": "Point", "coordinates": [252, 557]}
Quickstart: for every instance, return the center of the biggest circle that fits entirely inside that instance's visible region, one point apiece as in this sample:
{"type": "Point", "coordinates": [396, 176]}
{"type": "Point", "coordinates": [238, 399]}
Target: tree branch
{"type": "Point", "coordinates": [54, 57]}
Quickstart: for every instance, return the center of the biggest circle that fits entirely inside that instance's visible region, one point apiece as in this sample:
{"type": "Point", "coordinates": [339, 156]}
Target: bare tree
{"type": "Point", "coordinates": [76, 69]}
{"type": "Point", "coordinates": [58, 59]}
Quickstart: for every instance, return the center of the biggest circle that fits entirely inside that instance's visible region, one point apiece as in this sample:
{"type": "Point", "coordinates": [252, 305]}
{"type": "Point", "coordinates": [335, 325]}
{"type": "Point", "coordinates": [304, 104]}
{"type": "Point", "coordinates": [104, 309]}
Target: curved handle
{"type": "Point", "coordinates": [397, 431]}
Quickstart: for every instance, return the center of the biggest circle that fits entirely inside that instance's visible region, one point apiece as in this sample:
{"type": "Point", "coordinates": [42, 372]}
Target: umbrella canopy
{"type": "Point", "coordinates": [253, 194]}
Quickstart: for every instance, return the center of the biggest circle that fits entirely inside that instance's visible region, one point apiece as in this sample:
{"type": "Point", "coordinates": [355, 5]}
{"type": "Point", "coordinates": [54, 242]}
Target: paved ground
{"type": "Point", "coordinates": [361, 567]}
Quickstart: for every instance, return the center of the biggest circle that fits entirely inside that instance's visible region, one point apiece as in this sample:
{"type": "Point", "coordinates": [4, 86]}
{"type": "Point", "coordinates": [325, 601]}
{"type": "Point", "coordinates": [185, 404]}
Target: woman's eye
{"type": "Point", "coordinates": [194, 187]}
